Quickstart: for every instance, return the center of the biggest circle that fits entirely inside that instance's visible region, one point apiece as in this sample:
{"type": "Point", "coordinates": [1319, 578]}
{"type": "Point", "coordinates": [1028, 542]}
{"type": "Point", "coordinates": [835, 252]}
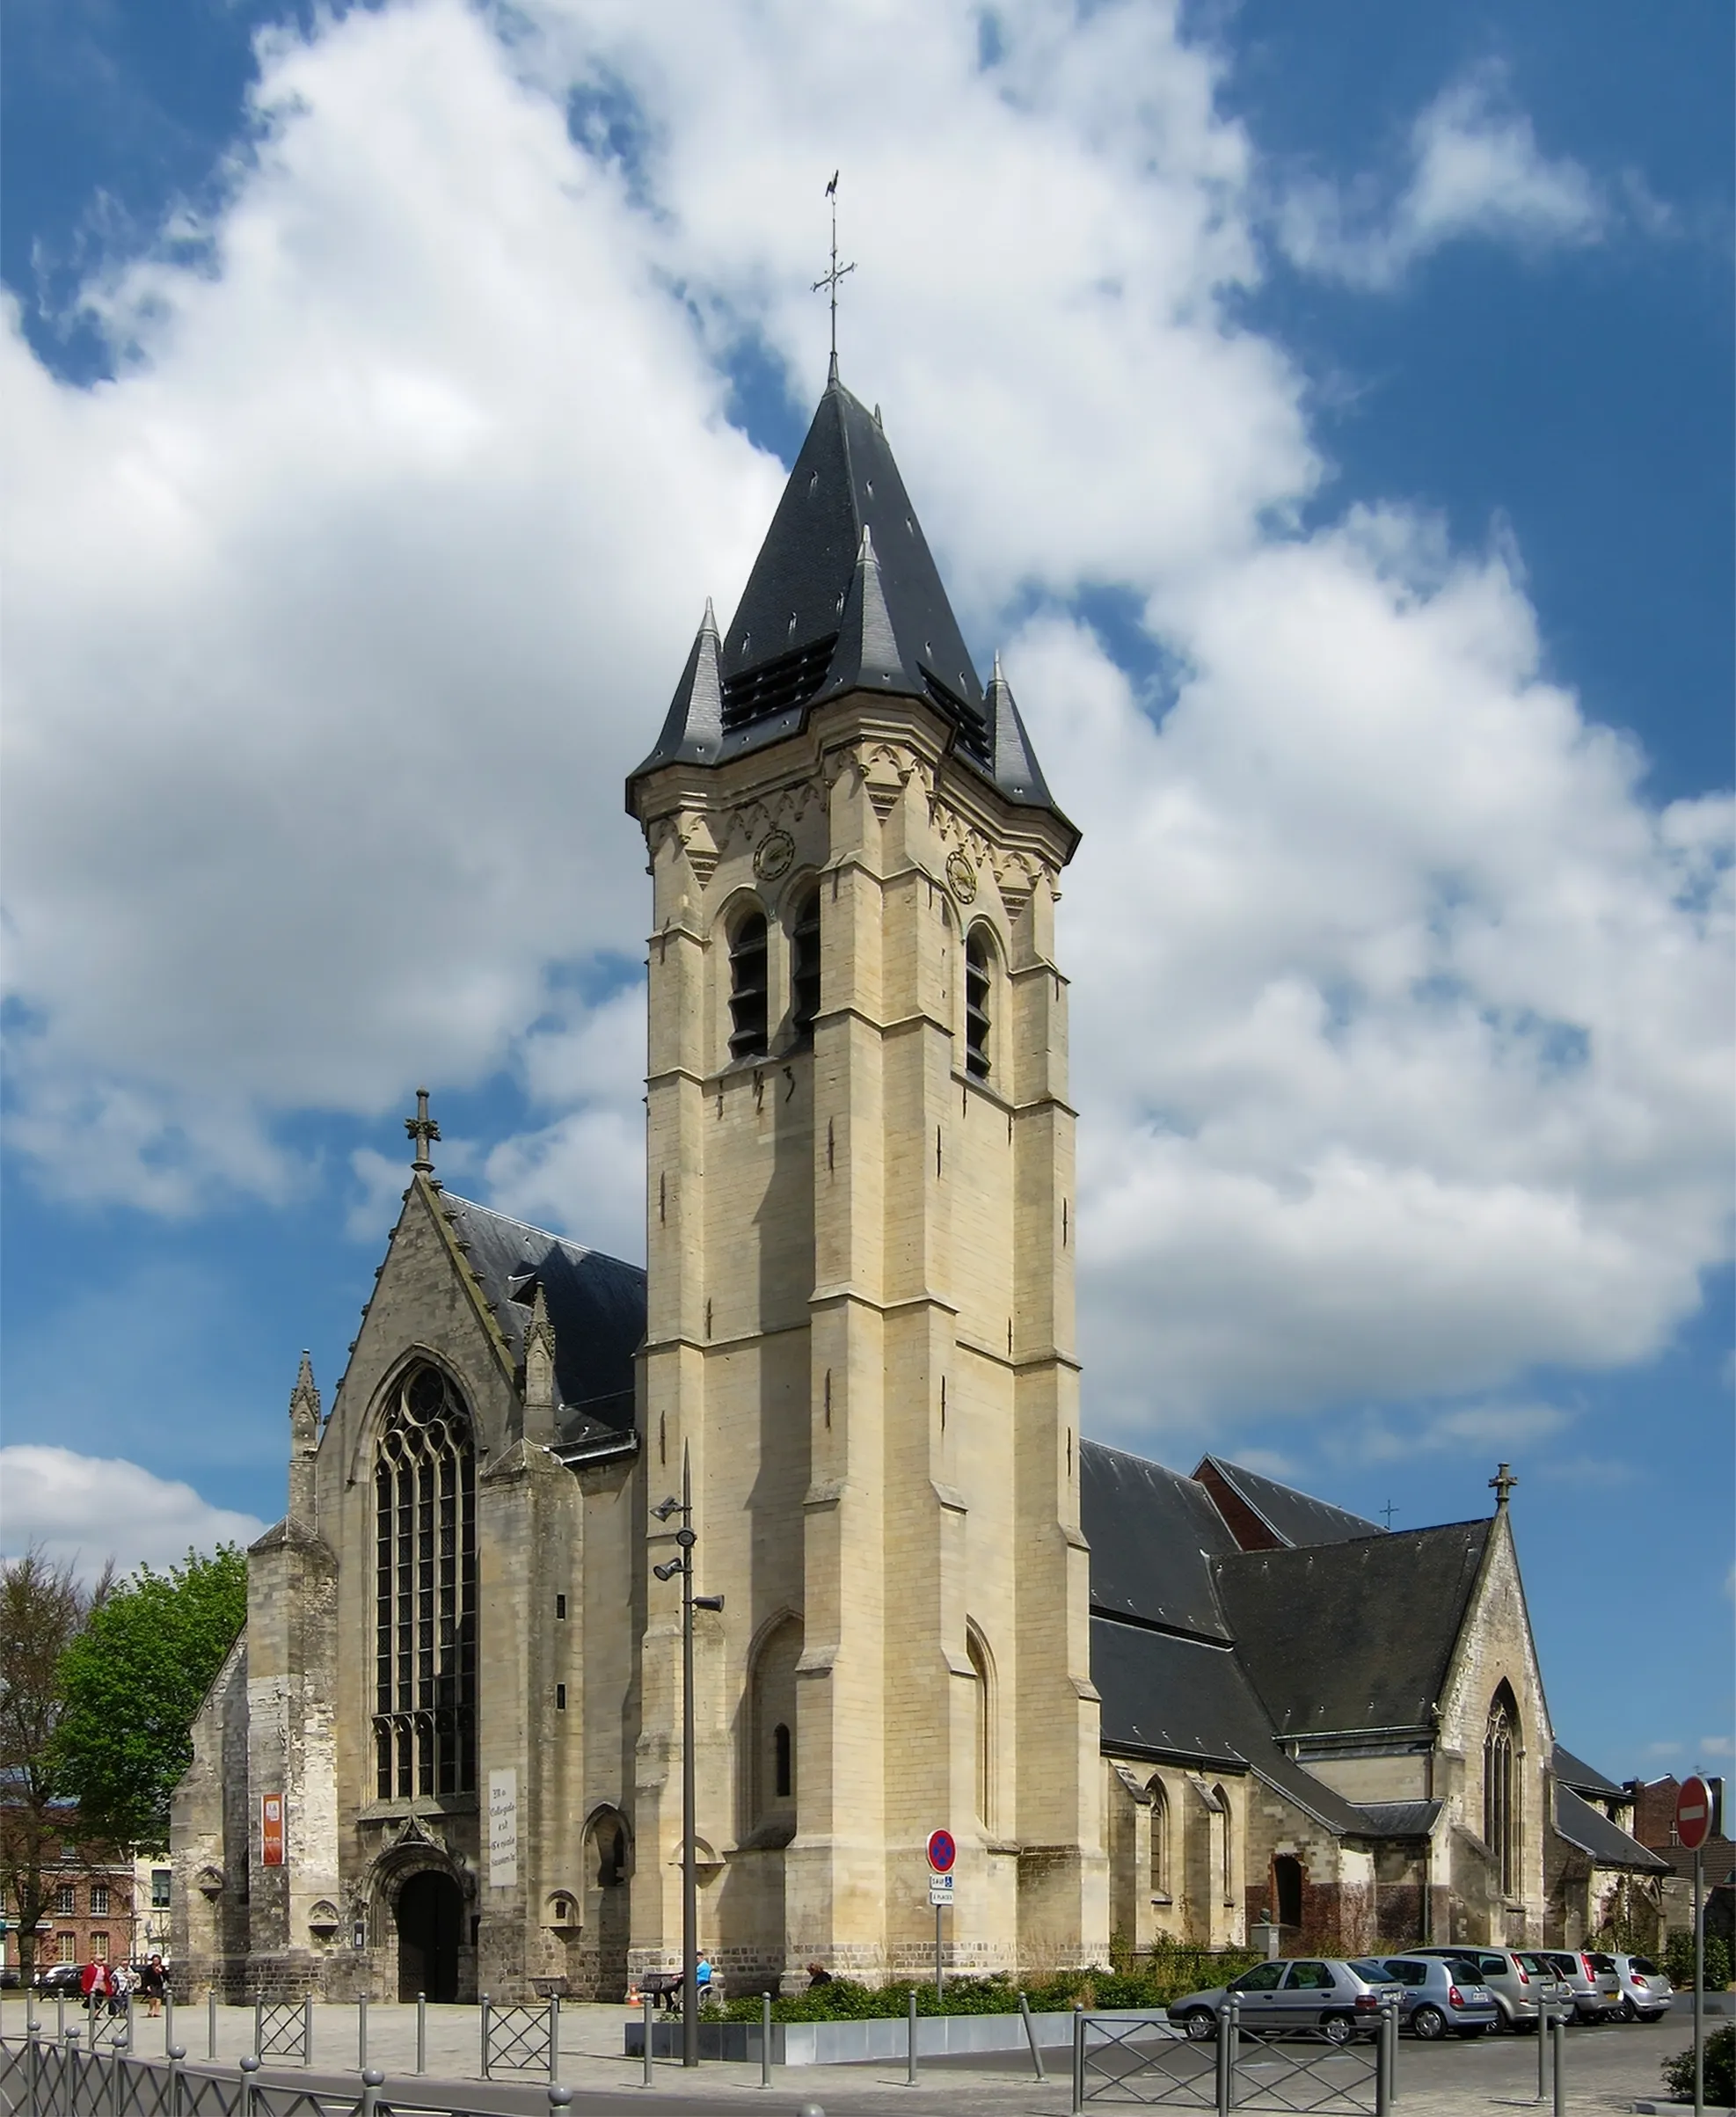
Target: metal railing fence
{"type": "Point", "coordinates": [1145, 2059]}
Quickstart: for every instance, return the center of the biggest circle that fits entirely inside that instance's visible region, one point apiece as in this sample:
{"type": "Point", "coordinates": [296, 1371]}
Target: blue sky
{"type": "Point", "coordinates": [376, 442]}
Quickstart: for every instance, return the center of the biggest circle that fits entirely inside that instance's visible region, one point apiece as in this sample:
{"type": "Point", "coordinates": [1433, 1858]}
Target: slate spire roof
{"type": "Point", "coordinates": [844, 596]}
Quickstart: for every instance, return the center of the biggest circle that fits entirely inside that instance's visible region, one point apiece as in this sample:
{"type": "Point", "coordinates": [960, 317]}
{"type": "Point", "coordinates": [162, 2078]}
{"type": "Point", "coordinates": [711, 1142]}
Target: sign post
{"type": "Point", "coordinates": [1693, 1827]}
{"type": "Point", "coordinates": [943, 1850]}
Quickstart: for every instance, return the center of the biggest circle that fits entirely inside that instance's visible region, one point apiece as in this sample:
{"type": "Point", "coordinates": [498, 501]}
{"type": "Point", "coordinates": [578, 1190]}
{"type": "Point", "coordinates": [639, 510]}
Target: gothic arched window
{"type": "Point", "coordinates": [1160, 1839]}
{"type": "Point", "coordinates": [425, 1592]}
{"type": "Point", "coordinates": [1227, 1848]}
{"type": "Point", "coordinates": [979, 965]}
{"type": "Point", "coordinates": [805, 966]}
{"type": "Point", "coordinates": [1500, 1807]}
{"type": "Point", "coordinates": [748, 983]}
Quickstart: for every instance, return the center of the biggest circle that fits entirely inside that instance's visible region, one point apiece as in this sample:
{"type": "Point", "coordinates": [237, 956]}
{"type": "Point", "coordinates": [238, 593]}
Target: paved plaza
{"type": "Point", "coordinates": [1609, 2069]}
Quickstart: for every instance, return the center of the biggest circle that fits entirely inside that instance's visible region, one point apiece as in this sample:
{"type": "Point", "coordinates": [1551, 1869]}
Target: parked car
{"type": "Point", "coordinates": [1305, 1994]}
{"type": "Point", "coordinates": [1596, 1995]}
{"type": "Point", "coordinates": [1517, 1980]}
{"type": "Point", "coordinates": [1645, 1991]}
{"type": "Point", "coordinates": [1436, 1993]}
{"type": "Point", "coordinates": [61, 1977]}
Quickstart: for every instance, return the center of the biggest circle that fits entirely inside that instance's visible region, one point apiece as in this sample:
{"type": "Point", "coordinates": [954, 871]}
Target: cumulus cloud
{"type": "Point", "coordinates": [1401, 1014]}
{"type": "Point", "coordinates": [1475, 169]}
{"type": "Point", "coordinates": [92, 1508]}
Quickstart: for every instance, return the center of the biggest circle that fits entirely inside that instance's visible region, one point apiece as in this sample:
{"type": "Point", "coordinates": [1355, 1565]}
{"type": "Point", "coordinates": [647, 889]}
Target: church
{"type": "Point", "coordinates": [445, 1754]}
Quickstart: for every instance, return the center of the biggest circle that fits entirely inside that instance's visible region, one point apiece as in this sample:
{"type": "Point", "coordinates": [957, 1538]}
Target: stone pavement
{"type": "Point", "coordinates": [1609, 2069]}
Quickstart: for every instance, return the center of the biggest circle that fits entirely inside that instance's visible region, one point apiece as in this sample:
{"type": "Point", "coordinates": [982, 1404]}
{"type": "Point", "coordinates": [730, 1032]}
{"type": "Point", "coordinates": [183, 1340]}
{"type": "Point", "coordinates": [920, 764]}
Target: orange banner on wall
{"type": "Point", "coordinates": [271, 1829]}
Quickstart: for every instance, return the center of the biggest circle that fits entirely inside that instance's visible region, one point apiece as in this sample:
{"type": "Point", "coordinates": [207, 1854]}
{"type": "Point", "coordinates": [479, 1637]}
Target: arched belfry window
{"type": "Point", "coordinates": [1500, 1806]}
{"type": "Point", "coordinates": [804, 966]}
{"type": "Point", "coordinates": [425, 1592]}
{"type": "Point", "coordinates": [984, 1731]}
{"type": "Point", "coordinates": [748, 984]}
{"type": "Point", "coordinates": [979, 969]}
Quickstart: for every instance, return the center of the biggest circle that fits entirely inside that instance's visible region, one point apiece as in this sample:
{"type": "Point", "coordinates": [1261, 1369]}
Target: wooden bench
{"type": "Point", "coordinates": [662, 1987]}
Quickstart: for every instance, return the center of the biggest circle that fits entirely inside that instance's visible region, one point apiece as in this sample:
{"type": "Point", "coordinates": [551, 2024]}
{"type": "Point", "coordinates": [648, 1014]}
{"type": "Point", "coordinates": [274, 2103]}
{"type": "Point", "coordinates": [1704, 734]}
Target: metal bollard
{"type": "Point", "coordinates": [372, 2082]}
{"type": "Point", "coordinates": [645, 2004]}
{"type": "Point", "coordinates": [1384, 2064]}
{"type": "Point", "coordinates": [554, 2039]}
{"type": "Point", "coordinates": [910, 2045]}
{"type": "Point", "coordinates": [1389, 2029]}
{"type": "Point", "coordinates": [176, 2052]}
{"type": "Point", "coordinates": [307, 2028]}
{"type": "Point", "coordinates": [421, 2032]}
{"type": "Point", "coordinates": [1226, 2055]}
{"type": "Point", "coordinates": [1559, 2032]}
{"type": "Point", "coordinates": [765, 2039]}
{"type": "Point", "coordinates": [1542, 2050]}
{"type": "Point", "coordinates": [1078, 2057]}
{"type": "Point", "coordinates": [248, 2066]}
{"type": "Point", "coordinates": [117, 2086]}
{"type": "Point", "coordinates": [211, 2023]}
{"type": "Point", "coordinates": [59, 2016]}
{"type": "Point", "coordinates": [1030, 2037]}
{"type": "Point", "coordinates": [360, 2031]}
{"type": "Point", "coordinates": [558, 2097]}
{"type": "Point", "coordinates": [169, 2020]}
{"type": "Point", "coordinates": [259, 2027]}
{"type": "Point", "coordinates": [487, 2007]}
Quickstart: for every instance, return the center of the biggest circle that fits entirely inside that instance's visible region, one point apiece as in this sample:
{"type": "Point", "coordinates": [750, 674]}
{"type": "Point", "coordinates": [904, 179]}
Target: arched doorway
{"type": "Point", "coordinates": [611, 1901]}
{"type": "Point", "coordinates": [430, 1912]}
{"type": "Point", "coordinates": [1287, 1890]}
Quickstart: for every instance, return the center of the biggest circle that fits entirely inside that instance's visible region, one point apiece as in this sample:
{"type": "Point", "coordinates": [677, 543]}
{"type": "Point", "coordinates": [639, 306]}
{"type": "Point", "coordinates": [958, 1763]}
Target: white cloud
{"type": "Point", "coordinates": [1401, 1016]}
{"type": "Point", "coordinates": [91, 1509]}
{"type": "Point", "coordinates": [1475, 170]}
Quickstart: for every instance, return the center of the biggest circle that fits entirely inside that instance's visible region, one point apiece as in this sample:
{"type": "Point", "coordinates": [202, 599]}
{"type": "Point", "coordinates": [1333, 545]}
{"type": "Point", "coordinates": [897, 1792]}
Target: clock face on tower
{"type": "Point", "coordinates": [962, 878]}
{"type": "Point", "coordinates": [773, 854]}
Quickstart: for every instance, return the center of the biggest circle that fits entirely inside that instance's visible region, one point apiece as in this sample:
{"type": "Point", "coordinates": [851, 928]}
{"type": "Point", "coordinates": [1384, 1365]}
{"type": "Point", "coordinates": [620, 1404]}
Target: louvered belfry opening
{"type": "Point", "coordinates": [805, 966]}
{"type": "Point", "coordinates": [424, 1601]}
{"type": "Point", "coordinates": [749, 975]}
{"type": "Point", "coordinates": [775, 686]}
{"type": "Point", "coordinates": [977, 971]}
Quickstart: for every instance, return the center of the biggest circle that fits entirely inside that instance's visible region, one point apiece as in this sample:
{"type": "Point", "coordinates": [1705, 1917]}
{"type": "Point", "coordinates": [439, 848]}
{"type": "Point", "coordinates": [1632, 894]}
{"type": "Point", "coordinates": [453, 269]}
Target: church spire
{"type": "Point", "coordinates": [304, 1443]}
{"type": "Point", "coordinates": [693, 727]}
{"type": "Point", "coordinates": [1012, 761]}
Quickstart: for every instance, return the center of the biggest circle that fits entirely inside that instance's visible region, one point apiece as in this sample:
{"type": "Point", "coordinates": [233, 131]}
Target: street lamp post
{"type": "Point", "coordinates": [685, 1539]}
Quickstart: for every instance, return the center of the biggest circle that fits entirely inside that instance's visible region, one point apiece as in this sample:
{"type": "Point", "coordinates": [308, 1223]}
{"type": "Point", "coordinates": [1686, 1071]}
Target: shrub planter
{"type": "Point", "coordinates": [852, 2042]}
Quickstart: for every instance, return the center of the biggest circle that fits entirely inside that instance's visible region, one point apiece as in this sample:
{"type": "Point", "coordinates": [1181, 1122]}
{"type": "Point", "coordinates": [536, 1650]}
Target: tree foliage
{"type": "Point", "coordinates": [43, 1607]}
{"type": "Point", "coordinates": [131, 1682]}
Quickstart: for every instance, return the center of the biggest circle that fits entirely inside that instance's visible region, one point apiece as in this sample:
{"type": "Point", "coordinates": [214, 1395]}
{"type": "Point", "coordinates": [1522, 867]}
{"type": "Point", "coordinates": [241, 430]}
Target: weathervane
{"type": "Point", "coordinates": [838, 272]}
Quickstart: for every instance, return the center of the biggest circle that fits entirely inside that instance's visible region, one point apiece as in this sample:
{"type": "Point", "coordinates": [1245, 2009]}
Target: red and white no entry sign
{"type": "Point", "coordinates": [1694, 1813]}
{"type": "Point", "coordinates": [942, 1852]}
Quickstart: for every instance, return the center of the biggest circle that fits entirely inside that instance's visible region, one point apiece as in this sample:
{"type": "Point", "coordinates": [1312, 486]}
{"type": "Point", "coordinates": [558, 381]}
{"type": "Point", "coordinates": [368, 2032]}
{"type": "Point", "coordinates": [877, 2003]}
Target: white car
{"type": "Point", "coordinates": [1646, 1992]}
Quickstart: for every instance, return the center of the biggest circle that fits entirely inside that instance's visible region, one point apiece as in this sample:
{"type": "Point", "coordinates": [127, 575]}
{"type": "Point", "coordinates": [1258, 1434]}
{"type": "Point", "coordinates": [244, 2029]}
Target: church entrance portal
{"type": "Point", "coordinates": [430, 1907]}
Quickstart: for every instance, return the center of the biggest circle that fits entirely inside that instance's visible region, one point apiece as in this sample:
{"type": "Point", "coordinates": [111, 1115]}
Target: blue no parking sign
{"type": "Point", "coordinates": [942, 1852]}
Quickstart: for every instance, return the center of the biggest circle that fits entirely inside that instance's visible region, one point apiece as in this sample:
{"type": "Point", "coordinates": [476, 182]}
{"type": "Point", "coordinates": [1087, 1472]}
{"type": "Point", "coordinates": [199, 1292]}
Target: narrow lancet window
{"type": "Point", "coordinates": [747, 986]}
{"type": "Point", "coordinates": [1501, 1824]}
{"type": "Point", "coordinates": [804, 968]}
{"type": "Point", "coordinates": [425, 1593]}
{"type": "Point", "coordinates": [977, 961]}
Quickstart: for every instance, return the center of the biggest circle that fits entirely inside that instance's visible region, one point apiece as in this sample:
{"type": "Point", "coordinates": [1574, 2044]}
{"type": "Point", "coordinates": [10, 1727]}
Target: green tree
{"type": "Point", "coordinates": [42, 1609]}
{"type": "Point", "coordinates": [131, 1682]}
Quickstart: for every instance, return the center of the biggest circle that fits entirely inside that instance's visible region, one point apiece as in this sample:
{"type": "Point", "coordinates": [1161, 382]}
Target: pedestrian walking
{"type": "Point", "coordinates": [123, 1980]}
{"type": "Point", "coordinates": [93, 1983]}
{"type": "Point", "coordinates": [153, 1982]}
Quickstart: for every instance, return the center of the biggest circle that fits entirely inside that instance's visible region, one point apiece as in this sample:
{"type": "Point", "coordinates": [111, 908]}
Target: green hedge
{"type": "Point", "coordinates": [1149, 1982]}
{"type": "Point", "coordinates": [1720, 2071]}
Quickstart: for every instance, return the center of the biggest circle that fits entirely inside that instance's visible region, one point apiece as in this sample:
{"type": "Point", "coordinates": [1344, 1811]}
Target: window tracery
{"type": "Point", "coordinates": [1500, 1822]}
{"type": "Point", "coordinates": [425, 1592]}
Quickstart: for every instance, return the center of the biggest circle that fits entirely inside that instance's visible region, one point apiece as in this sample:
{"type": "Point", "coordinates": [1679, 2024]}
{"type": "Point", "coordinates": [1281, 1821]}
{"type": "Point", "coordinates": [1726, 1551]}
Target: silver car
{"type": "Point", "coordinates": [1309, 1993]}
{"type": "Point", "coordinates": [1436, 1993]}
{"type": "Point", "coordinates": [1646, 1992]}
{"type": "Point", "coordinates": [1595, 1994]}
{"type": "Point", "coordinates": [1518, 1981]}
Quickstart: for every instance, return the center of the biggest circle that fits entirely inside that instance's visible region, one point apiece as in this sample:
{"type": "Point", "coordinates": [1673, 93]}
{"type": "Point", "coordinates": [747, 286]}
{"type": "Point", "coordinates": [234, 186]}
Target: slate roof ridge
{"type": "Point", "coordinates": [1573, 1771]}
{"type": "Point", "coordinates": [1593, 1832]}
{"type": "Point", "coordinates": [1250, 1486]}
{"type": "Point", "coordinates": [576, 1250]}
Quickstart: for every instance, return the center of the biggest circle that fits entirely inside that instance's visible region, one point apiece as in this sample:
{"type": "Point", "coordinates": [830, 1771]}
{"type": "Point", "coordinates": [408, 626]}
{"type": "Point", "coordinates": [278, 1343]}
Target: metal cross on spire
{"type": "Point", "coordinates": [838, 272]}
{"type": "Point", "coordinates": [1388, 1510]}
{"type": "Point", "coordinates": [423, 1129]}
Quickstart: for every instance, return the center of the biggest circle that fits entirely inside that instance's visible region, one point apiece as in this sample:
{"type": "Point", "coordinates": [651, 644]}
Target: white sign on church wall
{"type": "Point", "coordinates": [503, 1829]}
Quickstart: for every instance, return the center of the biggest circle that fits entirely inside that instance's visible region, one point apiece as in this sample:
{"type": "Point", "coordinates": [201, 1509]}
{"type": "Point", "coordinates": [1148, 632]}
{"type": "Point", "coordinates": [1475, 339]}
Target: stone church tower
{"type": "Point", "coordinates": [860, 1327]}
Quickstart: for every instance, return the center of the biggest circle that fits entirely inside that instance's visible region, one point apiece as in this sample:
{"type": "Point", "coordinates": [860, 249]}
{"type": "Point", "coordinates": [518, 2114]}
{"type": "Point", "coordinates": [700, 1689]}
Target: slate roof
{"type": "Point", "coordinates": [1152, 1534]}
{"type": "Point", "coordinates": [1351, 1636]}
{"type": "Point", "coordinates": [1593, 1832]}
{"type": "Point", "coordinates": [596, 1305]}
{"type": "Point", "coordinates": [844, 596]}
{"type": "Point", "coordinates": [1401, 1819]}
{"type": "Point", "coordinates": [1573, 1771]}
{"type": "Point", "coordinates": [1293, 1517]}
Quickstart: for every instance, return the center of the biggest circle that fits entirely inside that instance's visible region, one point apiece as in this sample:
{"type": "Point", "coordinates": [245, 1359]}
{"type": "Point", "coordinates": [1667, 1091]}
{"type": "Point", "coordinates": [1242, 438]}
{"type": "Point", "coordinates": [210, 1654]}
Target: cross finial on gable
{"type": "Point", "coordinates": [1502, 1484]}
{"type": "Point", "coordinates": [423, 1129]}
